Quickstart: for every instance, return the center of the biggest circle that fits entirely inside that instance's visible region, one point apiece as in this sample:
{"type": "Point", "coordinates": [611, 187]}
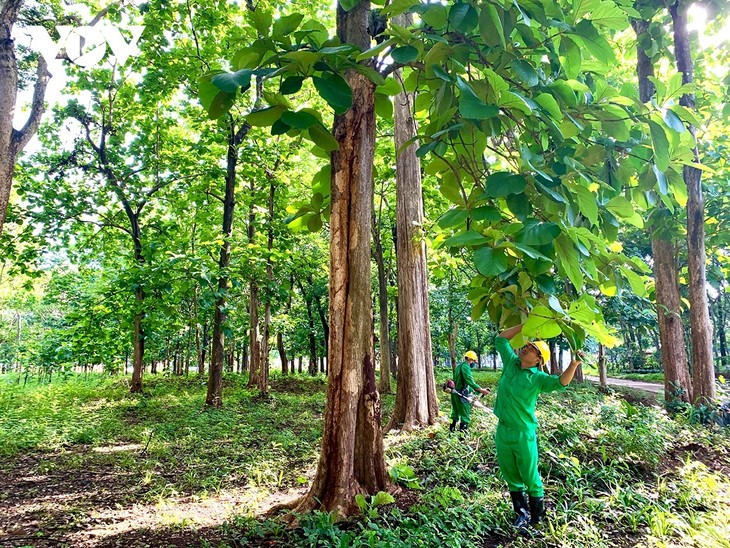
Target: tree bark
{"type": "Point", "coordinates": [12, 141]}
{"type": "Point", "coordinates": [415, 401]}
{"type": "Point", "coordinates": [352, 457]}
{"type": "Point", "coordinates": [703, 368]}
{"type": "Point", "coordinates": [214, 396]}
{"type": "Point", "coordinates": [384, 382]}
{"type": "Point", "coordinates": [282, 354]}
{"type": "Point", "coordinates": [602, 376]}
{"type": "Point", "coordinates": [666, 279]}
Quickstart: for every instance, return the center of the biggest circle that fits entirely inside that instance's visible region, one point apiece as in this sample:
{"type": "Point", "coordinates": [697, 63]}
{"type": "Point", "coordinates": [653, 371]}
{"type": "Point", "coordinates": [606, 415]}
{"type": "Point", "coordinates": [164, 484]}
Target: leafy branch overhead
{"type": "Point", "coordinates": [541, 156]}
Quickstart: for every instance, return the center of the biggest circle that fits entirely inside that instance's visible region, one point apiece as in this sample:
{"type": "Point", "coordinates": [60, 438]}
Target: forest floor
{"type": "Point", "coordinates": [83, 463]}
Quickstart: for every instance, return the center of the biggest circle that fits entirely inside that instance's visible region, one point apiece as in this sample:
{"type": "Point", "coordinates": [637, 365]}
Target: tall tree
{"type": "Point", "coordinates": [677, 383]}
{"type": "Point", "coordinates": [352, 457]}
{"type": "Point", "coordinates": [415, 402]}
{"type": "Point", "coordinates": [703, 368]}
{"type": "Point", "coordinates": [12, 141]}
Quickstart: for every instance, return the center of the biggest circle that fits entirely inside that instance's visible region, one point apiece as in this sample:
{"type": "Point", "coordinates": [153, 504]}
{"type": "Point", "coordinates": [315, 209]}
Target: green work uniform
{"type": "Point", "coordinates": [516, 439]}
{"type": "Point", "coordinates": [460, 408]}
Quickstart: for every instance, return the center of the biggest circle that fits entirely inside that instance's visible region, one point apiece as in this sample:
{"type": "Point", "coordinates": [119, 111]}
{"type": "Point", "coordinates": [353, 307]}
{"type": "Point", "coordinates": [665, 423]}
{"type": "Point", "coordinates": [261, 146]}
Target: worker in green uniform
{"type": "Point", "coordinates": [521, 383]}
{"type": "Point", "coordinates": [463, 380]}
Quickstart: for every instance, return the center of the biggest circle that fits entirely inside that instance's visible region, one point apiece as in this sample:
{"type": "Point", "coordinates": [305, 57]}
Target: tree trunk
{"type": "Point", "coordinates": [138, 346]}
{"type": "Point", "coordinates": [602, 376]}
{"type": "Point", "coordinates": [282, 354]}
{"type": "Point", "coordinates": [13, 141]}
{"type": "Point", "coordinates": [352, 458]}
{"type": "Point", "coordinates": [384, 383]}
{"type": "Point", "coordinates": [703, 368]}
{"type": "Point", "coordinates": [666, 279]}
{"type": "Point", "coordinates": [214, 396]}
{"type": "Point", "coordinates": [204, 350]}
{"type": "Point", "coordinates": [265, 366]}
{"type": "Point", "coordinates": [415, 401]}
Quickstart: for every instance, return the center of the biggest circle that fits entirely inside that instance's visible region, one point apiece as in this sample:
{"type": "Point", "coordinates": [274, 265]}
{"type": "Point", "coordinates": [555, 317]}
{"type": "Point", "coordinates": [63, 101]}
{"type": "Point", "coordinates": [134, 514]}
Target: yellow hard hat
{"type": "Point", "coordinates": [544, 350]}
{"type": "Point", "coordinates": [471, 355]}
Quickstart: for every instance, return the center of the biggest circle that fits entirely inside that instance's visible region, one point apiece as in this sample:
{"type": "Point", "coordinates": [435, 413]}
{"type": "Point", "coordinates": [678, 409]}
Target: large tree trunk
{"type": "Point", "coordinates": [13, 141]}
{"type": "Point", "coordinates": [138, 345]}
{"type": "Point", "coordinates": [673, 351]}
{"type": "Point", "coordinates": [282, 354]}
{"type": "Point", "coordinates": [703, 369]}
{"type": "Point", "coordinates": [352, 457]}
{"type": "Point", "coordinates": [415, 402]}
{"type": "Point", "coordinates": [214, 396]}
{"type": "Point", "coordinates": [602, 376]}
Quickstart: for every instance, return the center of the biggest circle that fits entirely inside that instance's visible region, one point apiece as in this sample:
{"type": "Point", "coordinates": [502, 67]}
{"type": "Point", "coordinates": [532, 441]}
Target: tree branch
{"type": "Point", "coordinates": [21, 138]}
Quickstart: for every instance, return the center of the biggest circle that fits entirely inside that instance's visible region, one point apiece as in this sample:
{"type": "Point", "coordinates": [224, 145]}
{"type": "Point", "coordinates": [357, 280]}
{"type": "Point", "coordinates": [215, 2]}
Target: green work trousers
{"type": "Point", "coordinates": [460, 409]}
{"type": "Point", "coordinates": [517, 459]}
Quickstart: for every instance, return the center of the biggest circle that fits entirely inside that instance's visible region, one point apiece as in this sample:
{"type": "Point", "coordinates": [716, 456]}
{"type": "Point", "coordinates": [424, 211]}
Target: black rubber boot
{"type": "Point", "coordinates": [464, 429]}
{"type": "Point", "coordinates": [519, 504]}
{"type": "Point", "coordinates": [452, 426]}
{"type": "Point", "coordinates": [537, 510]}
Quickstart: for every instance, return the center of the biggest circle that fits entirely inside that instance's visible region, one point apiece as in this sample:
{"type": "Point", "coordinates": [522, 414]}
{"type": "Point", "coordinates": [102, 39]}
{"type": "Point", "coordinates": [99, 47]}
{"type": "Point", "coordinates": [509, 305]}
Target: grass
{"type": "Point", "coordinates": [616, 474]}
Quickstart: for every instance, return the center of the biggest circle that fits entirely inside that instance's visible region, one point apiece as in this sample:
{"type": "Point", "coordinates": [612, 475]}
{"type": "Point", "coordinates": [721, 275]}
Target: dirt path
{"type": "Point", "coordinates": [652, 387]}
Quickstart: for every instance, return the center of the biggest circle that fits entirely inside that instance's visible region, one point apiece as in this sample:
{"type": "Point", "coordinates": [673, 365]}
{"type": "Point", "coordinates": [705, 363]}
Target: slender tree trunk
{"type": "Point", "coordinates": [415, 401]}
{"type": "Point", "coordinates": [671, 335]}
{"type": "Point", "coordinates": [352, 458]}
{"type": "Point", "coordinates": [703, 367]}
{"type": "Point", "coordinates": [282, 354]}
{"type": "Point", "coordinates": [384, 382]}
{"type": "Point", "coordinates": [602, 376]}
{"type": "Point", "coordinates": [214, 396]}
{"type": "Point", "coordinates": [265, 366]}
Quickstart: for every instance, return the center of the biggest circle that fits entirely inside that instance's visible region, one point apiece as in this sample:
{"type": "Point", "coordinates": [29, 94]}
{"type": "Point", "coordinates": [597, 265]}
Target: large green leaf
{"type": "Point", "coordinates": [471, 106]}
{"type": "Point", "coordinates": [542, 323]}
{"type": "Point", "coordinates": [452, 217]}
{"type": "Point", "coordinates": [490, 262]}
{"type": "Point", "coordinates": [587, 204]}
{"type": "Point", "coordinates": [491, 28]}
{"type": "Point", "coordinates": [660, 144]}
{"type": "Point", "coordinates": [463, 17]}
{"type": "Point", "coordinates": [265, 117]}
{"type": "Point", "coordinates": [287, 24]}
{"type": "Point", "coordinates": [335, 90]}
{"type": "Point", "coordinates": [299, 120]}
{"type": "Point", "coordinates": [569, 261]}
{"type": "Point", "coordinates": [470, 237]}
{"type": "Point", "coordinates": [404, 54]}
{"type": "Point", "coordinates": [525, 72]}
{"type": "Point", "coordinates": [230, 82]}
{"type": "Point", "coordinates": [323, 138]}
{"type": "Point", "coordinates": [537, 233]}
{"type": "Point", "coordinates": [620, 206]}
{"type": "Point", "coordinates": [503, 183]}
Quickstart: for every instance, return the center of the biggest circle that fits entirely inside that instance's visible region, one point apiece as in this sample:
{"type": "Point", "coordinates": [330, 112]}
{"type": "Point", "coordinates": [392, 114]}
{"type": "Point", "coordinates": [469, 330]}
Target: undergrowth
{"type": "Point", "coordinates": [616, 473]}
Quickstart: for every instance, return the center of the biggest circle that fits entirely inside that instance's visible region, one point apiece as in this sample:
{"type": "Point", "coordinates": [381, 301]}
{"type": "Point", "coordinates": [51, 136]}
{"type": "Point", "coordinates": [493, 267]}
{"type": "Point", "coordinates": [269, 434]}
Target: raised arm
{"type": "Point", "coordinates": [511, 332]}
{"type": "Point", "coordinates": [567, 375]}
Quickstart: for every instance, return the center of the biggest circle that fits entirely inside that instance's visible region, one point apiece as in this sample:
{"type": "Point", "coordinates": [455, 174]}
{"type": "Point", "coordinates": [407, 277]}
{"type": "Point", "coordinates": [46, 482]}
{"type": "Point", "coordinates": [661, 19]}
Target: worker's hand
{"type": "Point", "coordinates": [484, 391]}
{"type": "Point", "coordinates": [577, 360]}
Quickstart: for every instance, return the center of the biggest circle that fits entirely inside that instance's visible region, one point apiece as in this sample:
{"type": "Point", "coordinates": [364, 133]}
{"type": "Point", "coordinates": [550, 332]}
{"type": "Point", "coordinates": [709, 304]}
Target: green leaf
{"type": "Point", "coordinates": [265, 117]}
{"type": "Point", "coordinates": [503, 183]}
{"type": "Point", "coordinates": [299, 120]}
{"type": "Point", "coordinates": [581, 312]}
{"type": "Point", "coordinates": [620, 206]}
{"type": "Point", "coordinates": [231, 81]}
{"type": "Point", "coordinates": [525, 72]}
{"type": "Point", "coordinates": [587, 204]}
{"type": "Point", "coordinates": [550, 105]}
{"type": "Point", "coordinates": [382, 498]}
{"type": "Point", "coordinates": [491, 28]}
{"type": "Point", "coordinates": [435, 15]}
{"type": "Point", "coordinates": [541, 324]}
{"type": "Point", "coordinates": [453, 217]}
{"type": "Point", "coordinates": [361, 502]}
{"type": "Point", "coordinates": [596, 44]}
{"type": "Point", "coordinates": [471, 106]}
{"type": "Point", "coordinates": [404, 54]}
{"type": "Point", "coordinates": [635, 281]}
{"type": "Point", "coordinates": [470, 237]}
{"type": "Point", "coordinates": [291, 84]}
{"type": "Point", "coordinates": [287, 24]}
{"type": "Point", "coordinates": [568, 261]}
{"type": "Point", "coordinates": [660, 144]}
{"type": "Point", "coordinates": [537, 233]}
{"type": "Point", "coordinates": [335, 90]}
{"type": "Point", "coordinates": [463, 17]}
{"type": "Point", "coordinates": [520, 205]}
{"type": "Point", "coordinates": [673, 121]}
{"type": "Point", "coordinates": [571, 58]}
{"type": "Point", "coordinates": [261, 20]}
{"type": "Point", "coordinates": [323, 138]}
{"type": "Point", "coordinates": [486, 213]}
{"type": "Point", "coordinates": [383, 106]}
{"type": "Point", "coordinates": [490, 262]}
